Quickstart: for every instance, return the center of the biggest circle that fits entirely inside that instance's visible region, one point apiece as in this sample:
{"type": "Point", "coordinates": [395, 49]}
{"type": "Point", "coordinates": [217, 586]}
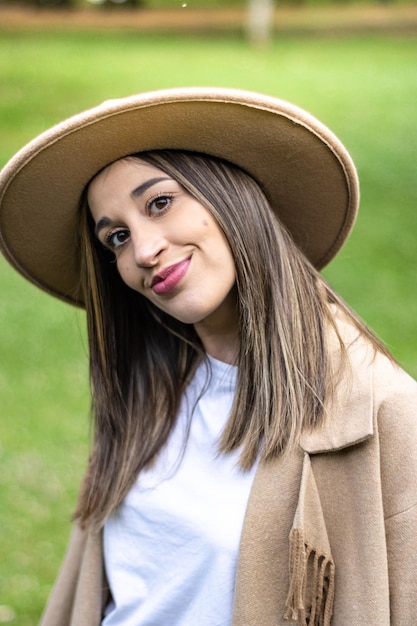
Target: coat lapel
{"type": "Point", "coordinates": [311, 567]}
{"type": "Point", "coordinates": [310, 582]}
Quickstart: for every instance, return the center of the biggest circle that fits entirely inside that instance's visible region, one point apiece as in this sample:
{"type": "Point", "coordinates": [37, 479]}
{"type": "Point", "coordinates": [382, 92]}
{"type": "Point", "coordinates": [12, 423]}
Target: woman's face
{"type": "Point", "coordinates": [167, 245]}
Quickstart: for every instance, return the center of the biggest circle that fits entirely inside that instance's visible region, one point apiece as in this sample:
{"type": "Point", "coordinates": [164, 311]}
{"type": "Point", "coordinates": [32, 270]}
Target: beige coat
{"type": "Point", "coordinates": [330, 534]}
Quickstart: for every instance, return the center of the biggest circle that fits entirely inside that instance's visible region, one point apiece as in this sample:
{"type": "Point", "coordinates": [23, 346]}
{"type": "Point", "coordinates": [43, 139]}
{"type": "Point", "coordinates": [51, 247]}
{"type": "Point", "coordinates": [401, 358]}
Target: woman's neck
{"type": "Point", "coordinates": [219, 332]}
{"type": "Point", "coordinates": [221, 347]}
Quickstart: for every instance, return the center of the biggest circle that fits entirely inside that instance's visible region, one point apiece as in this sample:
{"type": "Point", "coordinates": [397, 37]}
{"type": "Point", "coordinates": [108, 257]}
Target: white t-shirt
{"type": "Point", "coordinates": [171, 548]}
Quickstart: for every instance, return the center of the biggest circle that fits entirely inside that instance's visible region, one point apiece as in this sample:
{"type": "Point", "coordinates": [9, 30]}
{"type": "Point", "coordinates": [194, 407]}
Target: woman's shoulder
{"type": "Point", "coordinates": [369, 389]}
{"type": "Point", "coordinates": [363, 356]}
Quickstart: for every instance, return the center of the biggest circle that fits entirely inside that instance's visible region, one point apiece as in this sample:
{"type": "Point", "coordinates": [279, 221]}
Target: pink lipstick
{"type": "Point", "coordinates": [167, 279]}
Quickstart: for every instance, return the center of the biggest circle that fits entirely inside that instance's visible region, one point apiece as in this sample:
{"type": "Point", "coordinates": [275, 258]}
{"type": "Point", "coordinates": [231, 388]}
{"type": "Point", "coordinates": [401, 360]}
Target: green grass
{"type": "Point", "coordinates": [365, 89]}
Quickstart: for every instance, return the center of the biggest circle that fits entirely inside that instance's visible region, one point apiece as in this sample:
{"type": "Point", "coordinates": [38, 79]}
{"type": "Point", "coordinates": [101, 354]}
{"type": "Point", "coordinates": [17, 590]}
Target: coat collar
{"type": "Point", "coordinates": [350, 413]}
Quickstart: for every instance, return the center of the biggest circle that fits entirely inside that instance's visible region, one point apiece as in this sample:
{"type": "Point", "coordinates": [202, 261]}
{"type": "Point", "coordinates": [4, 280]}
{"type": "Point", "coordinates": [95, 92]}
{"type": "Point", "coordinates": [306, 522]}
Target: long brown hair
{"type": "Point", "coordinates": [141, 359]}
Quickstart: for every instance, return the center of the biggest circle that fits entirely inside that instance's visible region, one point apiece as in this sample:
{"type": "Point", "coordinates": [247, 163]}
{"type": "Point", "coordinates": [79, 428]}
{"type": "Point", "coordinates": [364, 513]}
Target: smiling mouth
{"type": "Point", "coordinates": [166, 280]}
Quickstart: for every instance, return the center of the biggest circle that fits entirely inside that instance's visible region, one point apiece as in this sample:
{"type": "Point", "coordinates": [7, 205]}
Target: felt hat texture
{"type": "Point", "coordinates": [304, 170]}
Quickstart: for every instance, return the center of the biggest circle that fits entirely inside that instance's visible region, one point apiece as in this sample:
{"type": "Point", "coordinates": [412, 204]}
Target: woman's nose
{"type": "Point", "coordinates": [148, 244]}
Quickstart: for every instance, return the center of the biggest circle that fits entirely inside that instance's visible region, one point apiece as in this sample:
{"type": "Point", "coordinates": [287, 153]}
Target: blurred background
{"type": "Point", "coordinates": [353, 65]}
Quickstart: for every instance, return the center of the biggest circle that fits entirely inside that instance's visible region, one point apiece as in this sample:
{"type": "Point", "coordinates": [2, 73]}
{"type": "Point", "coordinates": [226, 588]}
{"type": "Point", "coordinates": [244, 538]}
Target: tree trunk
{"type": "Point", "coordinates": [260, 21]}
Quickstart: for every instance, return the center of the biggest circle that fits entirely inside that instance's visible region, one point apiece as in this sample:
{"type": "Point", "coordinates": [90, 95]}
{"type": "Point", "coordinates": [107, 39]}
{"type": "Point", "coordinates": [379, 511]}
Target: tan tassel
{"type": "Point", "coordinates": [311, 593]}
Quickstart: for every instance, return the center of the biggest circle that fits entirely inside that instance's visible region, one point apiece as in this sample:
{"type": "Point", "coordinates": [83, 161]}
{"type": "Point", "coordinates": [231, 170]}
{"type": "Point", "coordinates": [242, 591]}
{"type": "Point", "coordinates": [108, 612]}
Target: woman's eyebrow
{"type": "Point", "coordinates": [105, 221]}
{"type": "Point", "coordinates": [138, 191]}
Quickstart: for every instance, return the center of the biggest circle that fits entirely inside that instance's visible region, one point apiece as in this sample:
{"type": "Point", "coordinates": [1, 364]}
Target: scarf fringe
{"type": "Point", "coordinates": [311, 574]}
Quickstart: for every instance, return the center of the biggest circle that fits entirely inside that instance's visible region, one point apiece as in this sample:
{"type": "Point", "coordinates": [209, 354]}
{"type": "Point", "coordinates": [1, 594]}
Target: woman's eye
{"type": "Point", "coordinates": [117, 239]}
{"type": "Point", "coordinates": [159, 204]}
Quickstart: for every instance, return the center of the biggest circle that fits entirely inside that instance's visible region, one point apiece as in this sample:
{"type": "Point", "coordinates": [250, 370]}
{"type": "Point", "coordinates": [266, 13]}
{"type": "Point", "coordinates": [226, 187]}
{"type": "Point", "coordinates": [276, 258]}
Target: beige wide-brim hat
{"type": "Point", "coordinates": [304, 170]}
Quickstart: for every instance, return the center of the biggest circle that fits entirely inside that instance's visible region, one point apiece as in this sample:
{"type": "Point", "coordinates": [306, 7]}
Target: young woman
{"type": "Point", "coordinates": [254, 458]}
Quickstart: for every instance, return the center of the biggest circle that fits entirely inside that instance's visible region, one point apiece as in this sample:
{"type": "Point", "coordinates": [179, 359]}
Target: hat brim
{"type": "Point", "coordinates": [304, 170]}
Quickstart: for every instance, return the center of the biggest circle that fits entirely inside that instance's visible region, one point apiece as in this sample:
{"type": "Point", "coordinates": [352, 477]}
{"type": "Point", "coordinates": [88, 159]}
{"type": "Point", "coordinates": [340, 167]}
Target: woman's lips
{"type": "Point", "coordinates": [166, 280]}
